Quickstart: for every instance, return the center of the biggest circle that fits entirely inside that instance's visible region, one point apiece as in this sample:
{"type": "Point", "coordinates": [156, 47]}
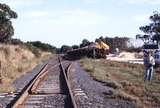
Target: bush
{"type": "Point", "coordinates": [16, 42]}
{"type": "Point", "coordinates": [43, 46]}
{"type": "Point", "coordinates": [65, 48]}
{"type": "Point", "coordinates": [34, 49]}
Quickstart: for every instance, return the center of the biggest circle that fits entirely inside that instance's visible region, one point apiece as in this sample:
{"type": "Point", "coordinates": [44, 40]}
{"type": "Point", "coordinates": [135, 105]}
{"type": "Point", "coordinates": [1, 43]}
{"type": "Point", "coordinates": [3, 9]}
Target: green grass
{"type": "Point", "coordinates": [127, 81]}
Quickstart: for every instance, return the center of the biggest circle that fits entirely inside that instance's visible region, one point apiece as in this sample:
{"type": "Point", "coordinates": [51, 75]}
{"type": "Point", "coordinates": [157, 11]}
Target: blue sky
{"type": "Point", "coordinates": [61, 22]}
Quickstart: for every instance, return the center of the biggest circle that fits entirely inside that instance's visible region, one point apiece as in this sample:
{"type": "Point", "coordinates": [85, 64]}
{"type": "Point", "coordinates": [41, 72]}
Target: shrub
{"type": "Point", "coordinates": [43, 46]}
{"type": "Point", "coordinates": [34, 49]}
{"type": "Point", "coordinates": [16, 42]}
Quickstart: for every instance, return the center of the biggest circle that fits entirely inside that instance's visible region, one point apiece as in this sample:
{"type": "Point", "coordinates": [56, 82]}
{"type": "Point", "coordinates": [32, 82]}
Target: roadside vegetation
{"type": "Point", "coordinates": [17, 57]}
{"type": "Point", "coordinates": [127, 81]}
{"type": "Point", "coordinates": [15, 61]}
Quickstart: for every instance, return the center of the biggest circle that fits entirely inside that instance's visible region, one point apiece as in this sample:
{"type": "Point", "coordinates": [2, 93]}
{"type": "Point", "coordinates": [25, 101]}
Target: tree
{"type": "Point", "coordinates": [75, 46]}
{"type": "Point", "coordinates": [115, 42]}
{"type": "Point", "coordinates": [152, 30]}
{"type": "Point", "coordinates": [84, 43]}
{"type": "Point", "coordinates": [102, 38]}
{"type": "Point", "coordinates": [6, 28]}
{"type": "Point", "coordinates": [43, 46]}
{"type": "Point", "coordinates": [65, 48]}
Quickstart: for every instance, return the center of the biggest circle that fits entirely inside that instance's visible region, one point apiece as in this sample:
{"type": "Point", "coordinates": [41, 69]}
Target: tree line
{"type": "Point", "coordinates": [151, 33]}
{"type": "Point", "coordinates": [113, 42]}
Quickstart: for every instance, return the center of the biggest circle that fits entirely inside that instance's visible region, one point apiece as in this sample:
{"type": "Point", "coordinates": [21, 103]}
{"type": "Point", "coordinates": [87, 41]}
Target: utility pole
{"type": "Point", "coordinates": [94, 53]}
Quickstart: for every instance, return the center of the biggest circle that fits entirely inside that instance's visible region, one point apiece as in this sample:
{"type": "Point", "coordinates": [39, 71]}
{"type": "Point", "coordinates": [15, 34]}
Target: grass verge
{"type": "Point", "coordinates": [126, 80]}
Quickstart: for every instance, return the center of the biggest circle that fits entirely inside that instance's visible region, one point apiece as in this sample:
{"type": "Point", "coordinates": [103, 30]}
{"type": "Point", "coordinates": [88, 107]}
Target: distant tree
{"type": "Point", "coordinates": [43, 46]}
{"type": "Point", "coordinates": [65, 48]}
{"type": "Point", "coordinates": [102, 39]}
{"type": "Point", "coordinates": [97, 40]}
{"type": "Point", "coordinates": [152, 30]}
{"type": "Point", "coordinates": [34, 49]}
{"type": "Point", "coordinates": [84, 43]}
{"type": "Point", "coordinates": [16, 42]}
{"type": "Point", "coordinates": [58, 50]}
{"type": "Point", "coordinates": [116, 42]}
{"type": "Point", "coordinates": [75, 46]}
{"type": "Point", "coordinates": [6, 28]}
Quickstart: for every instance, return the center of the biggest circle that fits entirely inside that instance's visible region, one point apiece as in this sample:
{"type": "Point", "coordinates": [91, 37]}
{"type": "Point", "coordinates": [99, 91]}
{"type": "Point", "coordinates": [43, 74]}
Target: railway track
{"type": "Point", "coordinates": [49, 89]}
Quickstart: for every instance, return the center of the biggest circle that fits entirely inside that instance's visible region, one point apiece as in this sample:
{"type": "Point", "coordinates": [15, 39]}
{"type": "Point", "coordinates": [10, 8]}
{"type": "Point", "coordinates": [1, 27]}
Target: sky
{"type": "Point", "coordinates": [68, 22]}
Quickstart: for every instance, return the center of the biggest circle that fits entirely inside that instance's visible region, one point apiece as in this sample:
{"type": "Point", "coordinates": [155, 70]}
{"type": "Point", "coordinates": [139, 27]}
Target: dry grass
{"type": "Point", "coordinates": [16, 61]}
{"type": "Point", "coordinates": [126, 80]}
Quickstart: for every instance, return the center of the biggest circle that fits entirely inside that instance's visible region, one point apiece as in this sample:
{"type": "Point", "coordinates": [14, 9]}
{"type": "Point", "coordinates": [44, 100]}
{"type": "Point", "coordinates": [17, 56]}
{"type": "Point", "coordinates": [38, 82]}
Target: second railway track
{"type": "Point", "coordinates": [49, 89]}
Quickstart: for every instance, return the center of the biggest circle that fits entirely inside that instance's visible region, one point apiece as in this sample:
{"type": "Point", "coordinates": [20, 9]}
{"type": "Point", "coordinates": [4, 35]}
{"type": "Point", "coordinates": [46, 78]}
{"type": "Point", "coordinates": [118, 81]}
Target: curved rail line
{"type": "Point", "coordinates": [68, 84]}
{"type": "Point", "coordinates": [25, 92]}
{"type": "Point", "coordinates": [33, 85]}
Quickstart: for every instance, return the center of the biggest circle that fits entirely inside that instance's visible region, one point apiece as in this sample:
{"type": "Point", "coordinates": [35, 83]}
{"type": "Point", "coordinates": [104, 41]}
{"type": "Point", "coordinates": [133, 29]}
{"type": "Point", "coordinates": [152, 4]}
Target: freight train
{"type": "Point", "coordinates": [94, 50]}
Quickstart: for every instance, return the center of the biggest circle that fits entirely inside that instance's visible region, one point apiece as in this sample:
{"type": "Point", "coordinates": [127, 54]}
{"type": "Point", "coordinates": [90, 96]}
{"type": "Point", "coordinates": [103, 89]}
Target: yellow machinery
{"type": "Point", "coordinates": [102, 45]}
{"type": "Point", "coordinates": [101, 49]}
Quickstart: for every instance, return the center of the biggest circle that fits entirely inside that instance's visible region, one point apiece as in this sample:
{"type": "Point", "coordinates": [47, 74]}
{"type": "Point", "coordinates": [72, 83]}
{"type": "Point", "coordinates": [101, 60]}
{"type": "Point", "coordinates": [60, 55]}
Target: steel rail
{"type": "Point", "coordinates": [31, 87]}
{"type": "Point", "coordinates": [69, 86]}
{"type": "Point", "coordinates": [73, 102]}
{"type": "Point", "coordinates": [25, 92]}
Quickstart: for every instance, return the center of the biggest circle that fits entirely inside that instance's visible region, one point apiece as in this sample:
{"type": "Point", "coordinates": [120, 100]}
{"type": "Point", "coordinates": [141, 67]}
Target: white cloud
{"type": "Point", "coordinates": [141, 18]}
{"type": "Point", "coordinates": [36, 14]}
{"type": "Point", "coordinates": [91, 1]}
{"type": "Point", "coordinates": [144, 1]}
{"type": "Point", "coordinates": [77, 16]}
{"type": "Point", "coordinates": [22, 3]}
{"type": "Point", "coordinates": [52, 26]}
{"type": "Point", "coordinates": [84, 17]}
